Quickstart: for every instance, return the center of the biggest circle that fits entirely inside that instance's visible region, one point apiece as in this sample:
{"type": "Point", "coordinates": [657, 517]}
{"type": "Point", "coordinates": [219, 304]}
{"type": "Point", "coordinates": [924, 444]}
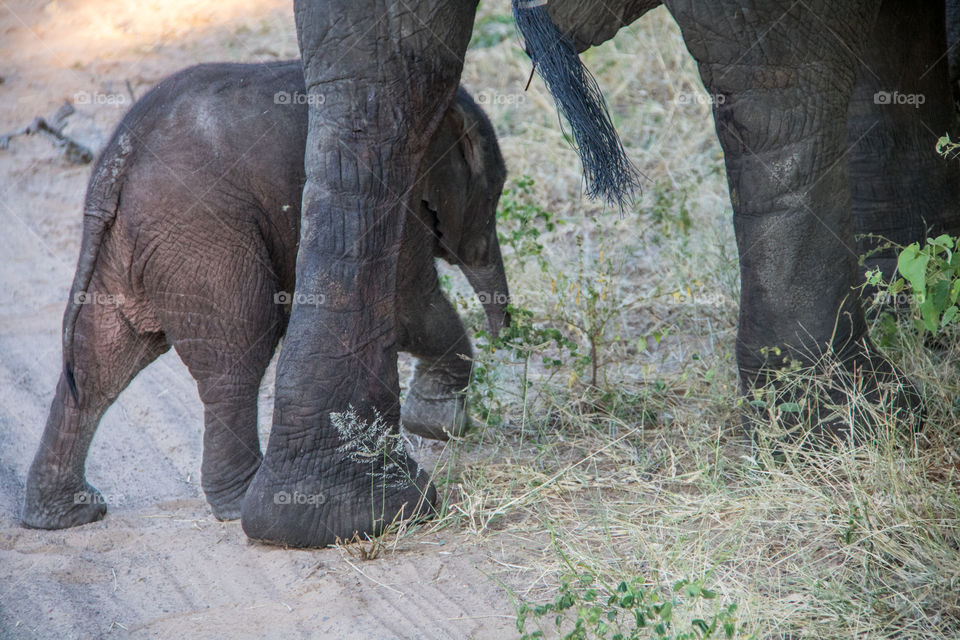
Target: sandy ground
{"type": "Point", "coordinates": [160, 565]}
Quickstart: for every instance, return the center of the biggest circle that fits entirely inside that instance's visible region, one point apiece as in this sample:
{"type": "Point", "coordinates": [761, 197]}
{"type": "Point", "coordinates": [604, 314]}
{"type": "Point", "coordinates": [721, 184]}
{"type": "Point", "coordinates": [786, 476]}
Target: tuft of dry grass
{"type": "Point", "coordinates": [627, 458]}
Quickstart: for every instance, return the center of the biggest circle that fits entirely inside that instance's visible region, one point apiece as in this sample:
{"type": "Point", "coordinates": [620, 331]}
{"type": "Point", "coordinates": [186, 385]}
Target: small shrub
{"type": "Point", "coordinates": [629, 611]}
{"type": "Point", "coordinates": [929, 283]}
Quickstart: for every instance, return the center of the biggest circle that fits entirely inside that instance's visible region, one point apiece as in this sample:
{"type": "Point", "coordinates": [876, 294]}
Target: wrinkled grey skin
{"type": "Point", "coordinates": [953, 48]}
{"type": "Point", "coordinates": [190, 239]}
{"type": "Point", "coordinates": [794, 77]}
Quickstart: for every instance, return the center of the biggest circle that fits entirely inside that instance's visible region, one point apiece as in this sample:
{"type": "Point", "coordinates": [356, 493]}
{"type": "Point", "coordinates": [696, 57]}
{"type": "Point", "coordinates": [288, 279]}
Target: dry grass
{"type": "Point", "coordinates": [649, 474]}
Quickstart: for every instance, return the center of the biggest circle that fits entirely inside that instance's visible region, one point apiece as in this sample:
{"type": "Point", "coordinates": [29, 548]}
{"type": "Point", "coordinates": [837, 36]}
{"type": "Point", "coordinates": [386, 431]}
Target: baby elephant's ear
{"type": "Point", "coordinates": [470, 120]}
{"type": "Point", "coordinates": [453, 165]}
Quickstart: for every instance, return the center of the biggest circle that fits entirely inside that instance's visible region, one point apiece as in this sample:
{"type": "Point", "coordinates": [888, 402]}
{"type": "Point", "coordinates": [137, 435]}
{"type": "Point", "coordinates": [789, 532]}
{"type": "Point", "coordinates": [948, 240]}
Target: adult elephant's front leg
{"type": "Point", "coordinates": [782, 75]}
{"type": "Point", "coordinates": [379, 77]}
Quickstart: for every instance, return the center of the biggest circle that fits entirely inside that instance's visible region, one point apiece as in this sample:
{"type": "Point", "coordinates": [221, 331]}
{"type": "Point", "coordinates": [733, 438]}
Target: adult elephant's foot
{"type": "Point", "coordinates": [59, 507]}
{"type": "Point", "coordinates": [336, 503]}
{"type": "Point", "coordinates": [856, 398]}
{"type": "Point", "coordinates": [434, 407]}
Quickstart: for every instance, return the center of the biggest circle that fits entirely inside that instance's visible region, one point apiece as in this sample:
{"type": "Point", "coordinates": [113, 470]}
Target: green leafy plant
{"type": "Point", "coordinates": [588, 300]}
{"type": "Point", "coordinates": [583, 609]}
{"type": "Point", "coordinates": [521, 221]}
{"type": "Point", "coordinates": [523, 340]}
{"type": "Point", "coordinates": [571, 321]}
{"type": "Point", "coordinates": [930, 282]}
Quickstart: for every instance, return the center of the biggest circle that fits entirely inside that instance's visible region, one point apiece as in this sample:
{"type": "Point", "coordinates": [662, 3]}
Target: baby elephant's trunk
{"type": "Point", "coordinates": [489, 283]}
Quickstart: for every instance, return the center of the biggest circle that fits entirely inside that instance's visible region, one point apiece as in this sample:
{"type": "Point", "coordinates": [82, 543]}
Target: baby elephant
{"type": "Point", "coordinates": [190, 235]}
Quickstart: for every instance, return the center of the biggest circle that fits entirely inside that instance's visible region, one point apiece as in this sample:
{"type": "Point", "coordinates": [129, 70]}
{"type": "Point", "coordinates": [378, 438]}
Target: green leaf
{"type": "Point", "coordinates": [593, 615]}
{"type": "Point", "coordinates": [942, 240]}
{"type": "Point", "coordinates": [640, 618]}
{"type": "Point", "coordinates": [943, 143]}
{"type": "Point", "coordinates": [522, 617]}
{"type": "Point", "coordinates": [955, 291]}
{"type": "Point", "coordinates": [940, 293]}
{"type": "Point", "coordinates": [912, 263]}
{"type": "Point", "coordinates": [790, 407]}
{"type": "Point", "coordinates": [945, 241]}
{"type": "Point", "coordinates": [930, 315]}
{"type": "Point", "coordinates": [666, 611]}
{"type": "Point", "coordinates": [948, 315]}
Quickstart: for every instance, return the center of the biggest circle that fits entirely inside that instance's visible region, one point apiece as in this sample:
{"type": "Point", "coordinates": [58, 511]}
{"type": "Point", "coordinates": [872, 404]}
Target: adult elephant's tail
{"type": "Point", "coordinates": [609, 173]}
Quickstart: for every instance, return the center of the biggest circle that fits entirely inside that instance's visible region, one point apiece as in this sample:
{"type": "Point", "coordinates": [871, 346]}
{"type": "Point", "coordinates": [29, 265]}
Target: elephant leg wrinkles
{"type": "Point", "coordinates": [382, 100]}
{"type": "Point", "coordinates": [106, 359]}
{"type": "Point", "coordinates": [782, 83]}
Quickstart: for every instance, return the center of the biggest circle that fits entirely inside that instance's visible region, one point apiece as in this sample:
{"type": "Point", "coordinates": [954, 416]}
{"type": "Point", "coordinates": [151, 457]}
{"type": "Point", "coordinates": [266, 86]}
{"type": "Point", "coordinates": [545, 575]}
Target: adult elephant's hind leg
{"type": "Point", "coordinates": [379, 75]}
{"type": "Point", "coordinates": [782, 75]}
{"type": "Point", "coordinates": [902, 190]}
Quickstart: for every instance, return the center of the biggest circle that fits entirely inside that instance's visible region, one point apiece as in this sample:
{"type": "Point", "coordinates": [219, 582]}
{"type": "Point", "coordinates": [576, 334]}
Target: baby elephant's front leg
{"type": "Point", "coordinates": [435, 404]}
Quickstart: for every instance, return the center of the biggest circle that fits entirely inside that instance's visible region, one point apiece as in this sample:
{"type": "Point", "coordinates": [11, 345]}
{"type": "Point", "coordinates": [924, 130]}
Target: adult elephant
{"type": "Point", "coordinates": [812, 157]}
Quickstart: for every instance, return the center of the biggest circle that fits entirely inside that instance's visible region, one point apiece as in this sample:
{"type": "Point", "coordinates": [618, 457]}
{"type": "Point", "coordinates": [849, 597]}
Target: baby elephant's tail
{"type": "Point", "coordinates": [99, 213]}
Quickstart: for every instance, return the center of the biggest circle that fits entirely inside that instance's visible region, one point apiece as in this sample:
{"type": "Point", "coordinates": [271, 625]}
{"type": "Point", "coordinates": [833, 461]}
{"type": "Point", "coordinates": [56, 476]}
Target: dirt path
{"type": "Point", "coordinates": [159, 565]}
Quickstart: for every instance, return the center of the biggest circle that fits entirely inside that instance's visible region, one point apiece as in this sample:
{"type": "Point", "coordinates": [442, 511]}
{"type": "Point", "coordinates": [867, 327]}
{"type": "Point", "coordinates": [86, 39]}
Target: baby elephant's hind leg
{"type": "Point", "coordinates": [435, 404]}
{"type": "Point", "coordinates": [108, 353]}
{"type": "Point", "coordinates": [227, 348]}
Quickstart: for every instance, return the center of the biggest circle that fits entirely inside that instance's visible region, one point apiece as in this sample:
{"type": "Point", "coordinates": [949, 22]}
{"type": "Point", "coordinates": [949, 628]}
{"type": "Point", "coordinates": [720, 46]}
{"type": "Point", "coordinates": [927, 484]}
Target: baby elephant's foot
{"type": "Point", "coordinates": [46, 507]}
{"type": "Point", "coordinates": [226, 495]}
{"type": "Point", "coordinates": [437, 418]}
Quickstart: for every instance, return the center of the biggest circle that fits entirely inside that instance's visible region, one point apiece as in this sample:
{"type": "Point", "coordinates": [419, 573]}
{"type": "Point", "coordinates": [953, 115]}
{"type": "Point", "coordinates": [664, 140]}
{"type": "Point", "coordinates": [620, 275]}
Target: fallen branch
{"type": "Point", "coordinates": [73, 151]}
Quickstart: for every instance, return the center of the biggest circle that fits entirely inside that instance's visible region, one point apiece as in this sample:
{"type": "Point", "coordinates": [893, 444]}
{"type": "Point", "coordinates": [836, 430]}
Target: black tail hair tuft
{"type": "Point", "coordinates": [608, 171]}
